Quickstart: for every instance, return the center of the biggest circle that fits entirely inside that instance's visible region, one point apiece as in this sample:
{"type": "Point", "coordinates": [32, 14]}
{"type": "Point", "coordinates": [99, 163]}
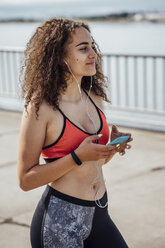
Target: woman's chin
{"type": "Point", "coordinates": [91, 73]}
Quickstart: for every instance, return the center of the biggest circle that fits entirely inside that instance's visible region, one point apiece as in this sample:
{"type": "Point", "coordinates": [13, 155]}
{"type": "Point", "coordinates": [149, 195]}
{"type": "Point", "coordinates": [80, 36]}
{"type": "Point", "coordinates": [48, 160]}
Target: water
{"type": "Point", "coordinates": [140, 38]}
{"type": "Point", "coordinates": [76, 8]}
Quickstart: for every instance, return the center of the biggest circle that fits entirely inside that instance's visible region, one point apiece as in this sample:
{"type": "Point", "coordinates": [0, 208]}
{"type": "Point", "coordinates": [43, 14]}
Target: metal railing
{"type": "Point", "coordinates": [10, 61]}
{"type": "Point", "coordinates": [137, 90]}
{"type": "Point", "coordinates": [136, 87]}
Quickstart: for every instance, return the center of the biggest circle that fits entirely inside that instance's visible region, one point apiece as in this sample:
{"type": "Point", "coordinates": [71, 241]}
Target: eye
{"type": "Point", "coordinates": [83, 48]}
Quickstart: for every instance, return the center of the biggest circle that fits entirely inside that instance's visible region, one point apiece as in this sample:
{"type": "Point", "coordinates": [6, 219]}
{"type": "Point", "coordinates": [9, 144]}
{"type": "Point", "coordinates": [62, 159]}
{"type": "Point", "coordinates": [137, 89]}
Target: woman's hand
{"type": "Point", "coordinates": [89, 151]}
{"type": "Point", "coordinates": [115, 134]}
{"type": "Point", "coordinates": [120, 148]}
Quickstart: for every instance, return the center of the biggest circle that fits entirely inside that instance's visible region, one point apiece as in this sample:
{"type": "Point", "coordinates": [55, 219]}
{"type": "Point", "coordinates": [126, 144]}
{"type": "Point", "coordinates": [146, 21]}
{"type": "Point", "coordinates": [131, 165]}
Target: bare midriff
{"type": "Point", "coordinates": [78, 182]}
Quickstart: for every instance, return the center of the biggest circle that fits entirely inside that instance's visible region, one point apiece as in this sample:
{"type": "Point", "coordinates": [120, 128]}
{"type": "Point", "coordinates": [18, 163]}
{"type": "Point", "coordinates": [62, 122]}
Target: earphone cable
{"type": "Point", "coordinates": [97, 201]}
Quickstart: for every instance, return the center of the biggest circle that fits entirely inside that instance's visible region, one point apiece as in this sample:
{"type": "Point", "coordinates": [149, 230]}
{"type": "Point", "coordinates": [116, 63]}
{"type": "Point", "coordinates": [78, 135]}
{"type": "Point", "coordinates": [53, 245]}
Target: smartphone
{"type": "Point", "coordinates": [119, 140]}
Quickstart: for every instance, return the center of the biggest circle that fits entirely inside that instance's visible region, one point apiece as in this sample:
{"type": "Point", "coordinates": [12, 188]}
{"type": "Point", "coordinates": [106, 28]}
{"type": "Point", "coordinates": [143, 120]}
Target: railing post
{"type": "Point", "coordinates": [135, 81]}
{"type": "Point", "coordinates": [118, 80]}
{"type": "Point", "coordinates": [126, 82]}
{"type": "Point", "coordinates": [144, 83]}
{"type": "Point", "coordinates": [154, 84]}
{"type": "Point", "coordinates": [109, 75]}
{"type": "Point", "coordinates": [163, 92]}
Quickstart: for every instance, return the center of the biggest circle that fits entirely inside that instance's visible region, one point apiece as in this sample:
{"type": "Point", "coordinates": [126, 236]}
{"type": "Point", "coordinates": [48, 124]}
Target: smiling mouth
{"type": "Point", "coordinates": [92, 63]}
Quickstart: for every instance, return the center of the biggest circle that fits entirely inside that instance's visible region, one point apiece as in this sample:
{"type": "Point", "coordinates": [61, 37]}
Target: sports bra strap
{"type": "Point", "coordinates": [61, 111]}
{"type": "Point", "coordinates": [91, 99]}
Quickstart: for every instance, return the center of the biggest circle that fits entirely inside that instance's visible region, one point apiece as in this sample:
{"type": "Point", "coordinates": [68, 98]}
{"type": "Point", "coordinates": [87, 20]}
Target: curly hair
{"type": "Point", "coordinates": [44, 73]}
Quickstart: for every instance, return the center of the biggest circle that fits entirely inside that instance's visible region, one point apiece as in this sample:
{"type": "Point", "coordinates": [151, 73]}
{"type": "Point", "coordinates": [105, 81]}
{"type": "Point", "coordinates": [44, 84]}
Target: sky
{"type": "Point", "coordinates": [151, 5]}
{"type": "Point", "coordinates": [4, 2]}
{"type": "Point", "coordinates": [15, 2]}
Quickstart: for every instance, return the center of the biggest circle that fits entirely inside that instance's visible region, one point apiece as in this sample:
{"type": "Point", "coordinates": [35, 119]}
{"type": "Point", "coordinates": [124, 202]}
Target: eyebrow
{"type": "Point", "coordinates": [84, 43]}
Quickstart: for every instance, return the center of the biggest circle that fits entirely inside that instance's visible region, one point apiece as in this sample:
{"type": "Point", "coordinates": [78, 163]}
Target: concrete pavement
{"type": "Point", "coordinates": [135, 184]}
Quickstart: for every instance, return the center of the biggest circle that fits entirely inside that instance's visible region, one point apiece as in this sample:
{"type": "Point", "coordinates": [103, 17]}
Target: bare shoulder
{"type": "Point", "coordinates": [98, 100]}
{"type": "Point", "coordinates": [42, 113]}
{"type": "Point", "coordinates": [34, 125]}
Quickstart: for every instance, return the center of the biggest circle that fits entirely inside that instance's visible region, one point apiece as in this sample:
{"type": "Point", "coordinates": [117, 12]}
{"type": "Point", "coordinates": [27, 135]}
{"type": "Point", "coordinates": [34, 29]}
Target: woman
{"type": "Point", "coordinates": [68, 128]}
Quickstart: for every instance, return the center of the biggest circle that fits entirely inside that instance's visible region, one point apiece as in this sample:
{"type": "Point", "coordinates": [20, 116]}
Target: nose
{"type": "Point", "coordinates": [92, 54]}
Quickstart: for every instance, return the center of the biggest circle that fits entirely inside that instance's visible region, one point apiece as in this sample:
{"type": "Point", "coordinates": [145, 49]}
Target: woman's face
{"type": "Point", "coordinates": [80, 54]}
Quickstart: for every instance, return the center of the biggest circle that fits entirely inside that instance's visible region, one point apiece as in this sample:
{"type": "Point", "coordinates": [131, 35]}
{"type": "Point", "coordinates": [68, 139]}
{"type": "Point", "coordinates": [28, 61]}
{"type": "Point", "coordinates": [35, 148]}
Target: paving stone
{"type": "Point", "coordinates": [14, 236]}
{"type": "Point", "coordinates": [15, 201]}
{"type": "Point", "coordinates": [8, 149]}
{"type": "Point", "coordinates": [10, 122]}
{"type": "Point", "coordinates": [24, 218]}
{"type": "Point", "coordinates": [1, 220]}
{"type": "Point", "coordinates": [137, 208]}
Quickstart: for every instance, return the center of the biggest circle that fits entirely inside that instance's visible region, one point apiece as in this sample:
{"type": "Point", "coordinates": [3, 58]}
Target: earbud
{"type": "Point", "coordinates": [91, 83]}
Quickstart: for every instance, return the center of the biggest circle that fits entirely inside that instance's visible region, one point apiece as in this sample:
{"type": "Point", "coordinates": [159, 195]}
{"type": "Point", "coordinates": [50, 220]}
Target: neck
{"type": "Point", "coordinates": [72, 93]}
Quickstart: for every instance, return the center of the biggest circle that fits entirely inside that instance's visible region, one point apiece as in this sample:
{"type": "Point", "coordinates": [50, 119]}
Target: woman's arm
{"type": "Point", "coordinates": [31, 174]}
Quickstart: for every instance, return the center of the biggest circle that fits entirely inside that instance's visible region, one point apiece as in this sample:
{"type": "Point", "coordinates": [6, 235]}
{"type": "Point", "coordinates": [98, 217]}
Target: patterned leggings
{"type": "Point", "coordinates": [63, 221]}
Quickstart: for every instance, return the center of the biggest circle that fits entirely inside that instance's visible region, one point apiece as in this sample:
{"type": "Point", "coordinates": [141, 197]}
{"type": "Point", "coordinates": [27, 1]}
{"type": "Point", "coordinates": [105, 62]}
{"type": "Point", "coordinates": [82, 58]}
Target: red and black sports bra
{"type": "Point", "coordinates": [71, 137]}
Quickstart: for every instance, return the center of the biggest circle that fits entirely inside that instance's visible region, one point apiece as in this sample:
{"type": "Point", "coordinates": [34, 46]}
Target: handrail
{"type": "Point", "coordinates": [21, 49]}
{"type": "Point", "coordinates": [11, 49]}
{"type": "Point", "coordinates": [133, 55]}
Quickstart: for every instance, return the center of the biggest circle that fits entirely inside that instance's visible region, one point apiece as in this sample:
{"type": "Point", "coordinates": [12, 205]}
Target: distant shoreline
{"type": "Point", "coordinates": [154, 17]}
{"type": "Point", "coordinates": [121, 20]}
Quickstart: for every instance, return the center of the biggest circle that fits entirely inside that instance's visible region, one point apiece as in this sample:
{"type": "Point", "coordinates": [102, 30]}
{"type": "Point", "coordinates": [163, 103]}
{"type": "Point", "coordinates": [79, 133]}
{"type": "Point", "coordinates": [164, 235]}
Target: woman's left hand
{"type": "Point", "coordinates": [119, 148]}
{"type": "Point", "coordinates": [115, 134]}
